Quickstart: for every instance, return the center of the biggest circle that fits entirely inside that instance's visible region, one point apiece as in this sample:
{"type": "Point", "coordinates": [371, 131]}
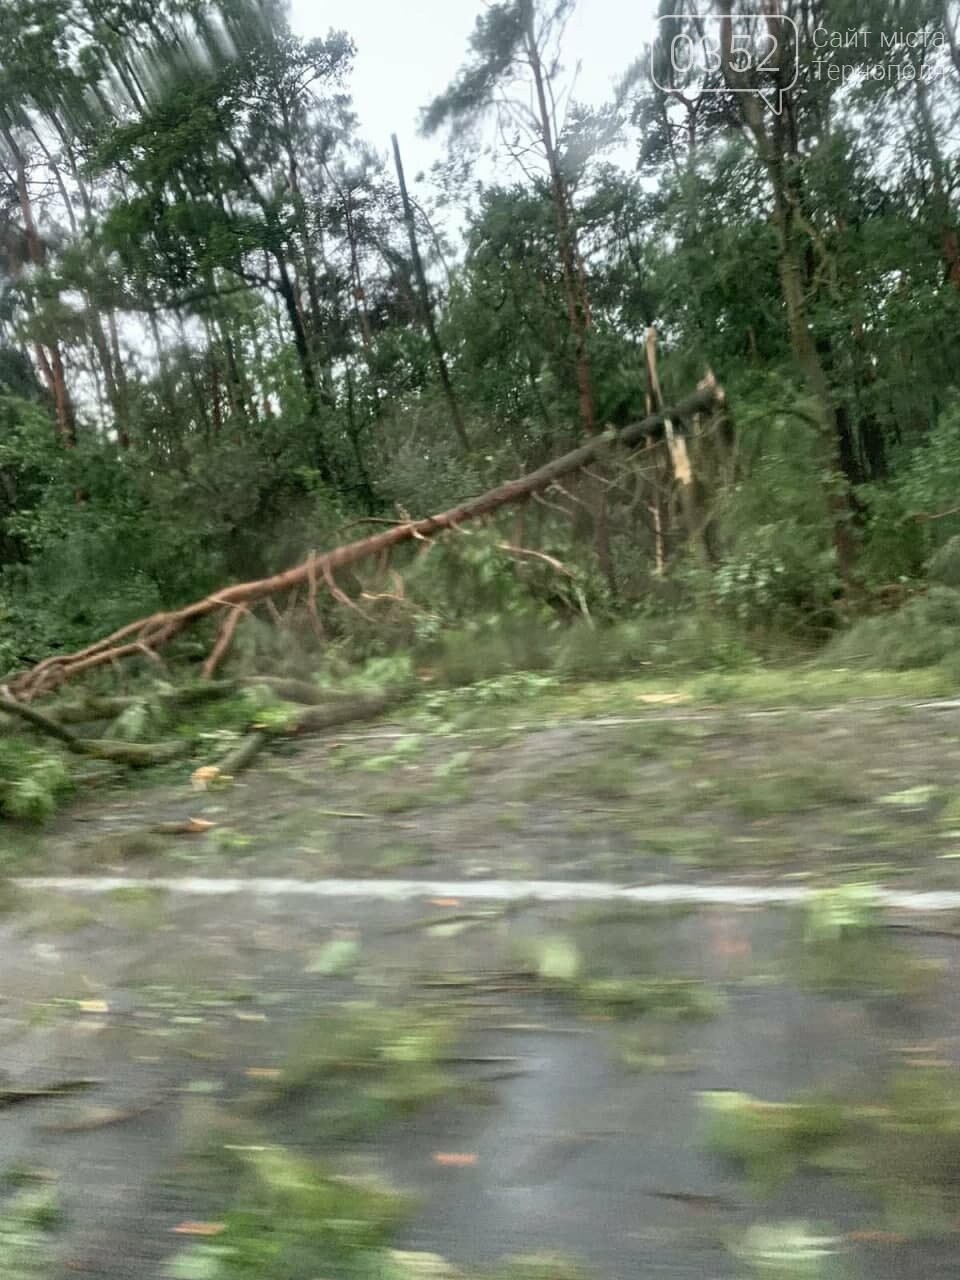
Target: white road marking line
{"type": "Point", "coordinates": [482, 890]}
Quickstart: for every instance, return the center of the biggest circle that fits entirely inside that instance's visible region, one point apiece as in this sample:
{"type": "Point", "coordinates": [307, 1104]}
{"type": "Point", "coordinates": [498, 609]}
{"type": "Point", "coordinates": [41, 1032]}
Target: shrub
{"type": "Point", "coordinates": [944, 565]}
{"type": "Point", "coordinates": [921, 634]}
{"type": "Point", "coordinates": [32, 779]}
{"type": "Point", "coordinates": [688, 641]}
{"type": "Point", "coordinates": [777, 586]}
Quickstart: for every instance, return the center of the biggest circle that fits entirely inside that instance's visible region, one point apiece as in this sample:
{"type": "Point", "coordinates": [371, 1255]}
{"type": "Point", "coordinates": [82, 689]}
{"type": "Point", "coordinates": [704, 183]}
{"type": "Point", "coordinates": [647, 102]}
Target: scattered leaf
{"type": "Point", "coordinates": [558, 960]}
{"type": "Point", "coordinates": [93, 1006]}
{"type": "Point", "coordinates": [450, 928]}
{"type": "Point", "coordinates": [455, 1159]}
{"type": "Point", "coordinates": [446, 902]}
{"type": "Point", "coordinates": [263, 1073]}
{"type": "Point", "coordinates": [911, 798]}
{"type": "Point", "coordinates": [334, 957]}
{"type": "Point", "coordinates": [200, 1228]}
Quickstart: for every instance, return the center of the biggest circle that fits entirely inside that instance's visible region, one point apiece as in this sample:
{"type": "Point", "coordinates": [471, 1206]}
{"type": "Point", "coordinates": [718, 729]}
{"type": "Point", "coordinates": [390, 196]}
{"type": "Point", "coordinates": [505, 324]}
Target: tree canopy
{"type": "Point", "coordinates": [229, 326]}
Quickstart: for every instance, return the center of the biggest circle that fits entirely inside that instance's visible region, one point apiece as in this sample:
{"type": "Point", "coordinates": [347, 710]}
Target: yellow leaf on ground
{"type": "Point", "coordinates": [199, 1228]}
{"type": "Point", "coordinates": [94, 1006]}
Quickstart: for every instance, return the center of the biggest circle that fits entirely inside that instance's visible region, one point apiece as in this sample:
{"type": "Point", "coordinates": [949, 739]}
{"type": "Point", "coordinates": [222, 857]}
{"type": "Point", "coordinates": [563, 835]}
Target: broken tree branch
{"type": "Point", "coordinates": [528, 553]}
{"type": "Point", "coordinates": [136, 754]}
{"type": "Point", "coordinates": [223, 640]}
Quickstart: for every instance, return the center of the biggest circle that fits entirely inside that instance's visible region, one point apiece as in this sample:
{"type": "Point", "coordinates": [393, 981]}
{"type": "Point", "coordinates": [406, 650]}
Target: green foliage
{"type": "Point", "coordinates": [501, 690]}
{"type": "Point", "coordinates": [769, 1140]}
{"type": "Point", "coordinates": [277, 385]}
{"type": "Point", "coordinates": [777, 592]}
{"type": "Point", "coordinates": [32, 780]}
{"type": "Point", "coordinates": [465, 657]}
{"type": "Point", "coordinates": [929, 482]}
{"type": "Point", "coordinates": [477, 584]}
{"type": "Point", "coordinates": [921, 634]}
{"type": "Point", "coordinates": [362, 1063]}
{"type": "Point", "coordinates": [650, 644]}
{"type": "Point", "coordinates": [845, 947]}
{"type": "Point", "coordinates": [840, 912]}
{"type": "Point", "coordinates": [559, 965]}
{"type": "Point", "coordinates": [894, 544]}
{"type": "Point", "coordinates": [27, 1219]}
{"type": "Point", "coordinates": [292, 1217]}
{"type": "Point", "coordinates": [790, 786]}
{"type": "Point", "coordinates": [944, 565]}
{"type": "Point", "coordinates": [904, 1148]}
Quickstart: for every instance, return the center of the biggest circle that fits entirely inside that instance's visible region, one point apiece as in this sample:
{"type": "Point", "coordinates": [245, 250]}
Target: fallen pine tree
{"type": "Point", "coordinates": [97, 726]}
{"type": "Point", "coordinates": [144, 637]}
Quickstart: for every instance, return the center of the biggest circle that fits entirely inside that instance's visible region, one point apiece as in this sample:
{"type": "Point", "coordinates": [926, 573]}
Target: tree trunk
{"type": "Point", "coordinates": [943, 214]}
{"type": "Point", "coordinates": [772, 150]}
{"type": "Point", "coordinates": [574, 287]}
{"type": "Point", "coordinates": [426, 307]}
{"type": "Point", "coordinates": [575, 296]}
{"type": "Point", "coordinates": [307, 373]}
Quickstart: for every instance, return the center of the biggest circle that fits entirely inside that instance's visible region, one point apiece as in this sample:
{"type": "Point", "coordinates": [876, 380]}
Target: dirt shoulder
{"type": "Point", "coordinates": [642, 792]}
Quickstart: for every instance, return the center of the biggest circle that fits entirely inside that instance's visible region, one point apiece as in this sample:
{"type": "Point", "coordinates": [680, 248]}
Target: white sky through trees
{"type": "Point", "coordinates": [407, 53]}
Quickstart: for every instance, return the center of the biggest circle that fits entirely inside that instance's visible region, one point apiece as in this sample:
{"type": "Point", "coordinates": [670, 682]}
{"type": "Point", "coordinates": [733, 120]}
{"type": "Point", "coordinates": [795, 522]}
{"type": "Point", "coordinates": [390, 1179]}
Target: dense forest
{"type": "Point", "coordinates": [479, 713]}
{"type": "Point", "coordinates": [234, 334]}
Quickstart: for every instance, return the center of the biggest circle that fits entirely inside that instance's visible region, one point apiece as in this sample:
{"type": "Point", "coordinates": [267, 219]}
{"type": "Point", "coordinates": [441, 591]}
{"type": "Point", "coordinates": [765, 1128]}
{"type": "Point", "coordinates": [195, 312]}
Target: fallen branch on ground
{"type": "Point", "coordinates": [342, 710]}
{"type": "Point", "coordinates": [137, 755]}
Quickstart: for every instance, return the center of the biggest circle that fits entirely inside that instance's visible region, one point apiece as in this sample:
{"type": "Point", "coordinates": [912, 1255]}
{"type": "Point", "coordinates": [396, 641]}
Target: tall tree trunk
{"type": "Point", "coordinates": [946, 227]}
{"type": "Point", "coordinates": [837, 490]}
{"type": "Point", "coordinates": [103, 328]}
{"type": "Point", "coordinates": [307, 373]}
{"type": "Point", "coordinates": [360, 299]}
{"type": "Point", "coordinates": [772, 147]}
{"type": "Point", "coordinates": [365, 486]}
{"type": "Point", "coordinates": [574, 285]}
{"type": "Point", "coordinates": [426, 307]}
{"type": "Point", "coordinates": [575, 294]}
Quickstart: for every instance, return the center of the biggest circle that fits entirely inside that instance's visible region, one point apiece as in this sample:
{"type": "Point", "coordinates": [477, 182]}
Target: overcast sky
{"type": "Point", "coordinates": [409, 50]}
